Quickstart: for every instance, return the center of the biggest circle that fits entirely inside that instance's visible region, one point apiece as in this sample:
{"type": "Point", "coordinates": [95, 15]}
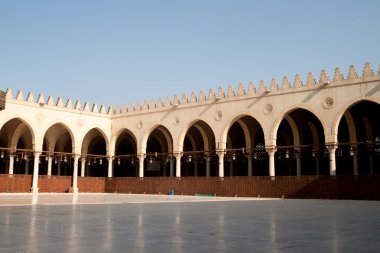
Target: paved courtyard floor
{"type": "Point", "coordinates": [153, 223]}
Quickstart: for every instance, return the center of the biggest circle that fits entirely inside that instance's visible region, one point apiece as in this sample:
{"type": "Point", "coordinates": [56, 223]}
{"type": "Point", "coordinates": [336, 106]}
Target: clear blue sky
{"type": "Point", "coordinates": [114, 52]}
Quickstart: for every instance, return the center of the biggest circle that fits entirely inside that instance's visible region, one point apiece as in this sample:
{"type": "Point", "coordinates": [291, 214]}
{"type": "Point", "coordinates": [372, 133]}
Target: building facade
{"type": "Point", "coordinates": [316, 127]}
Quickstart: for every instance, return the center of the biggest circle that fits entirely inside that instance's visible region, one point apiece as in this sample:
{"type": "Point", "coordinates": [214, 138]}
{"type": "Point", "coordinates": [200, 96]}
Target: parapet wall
{"type": "Point", "coordinates": [339, 187]}
{"type": "Point", "coordinates": [193, 100]}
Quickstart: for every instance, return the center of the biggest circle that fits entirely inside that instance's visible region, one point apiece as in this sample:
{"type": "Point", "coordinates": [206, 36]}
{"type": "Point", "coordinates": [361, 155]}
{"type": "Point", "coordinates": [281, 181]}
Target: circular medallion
{"type": "Point", "coordinates": [268, 108]}
{"type": "Point", "coordinates": [218, 115]}
{"type": "Point", "coordinates": [139, 124]}
{"type": "Point", "coordinates": [328, 103]}
{"type": "Point", "coordinates": [176, 121]}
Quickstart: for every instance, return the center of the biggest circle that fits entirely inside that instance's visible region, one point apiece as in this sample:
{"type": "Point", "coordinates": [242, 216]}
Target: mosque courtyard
{"type": "Point", "coordinates": [165, 223]}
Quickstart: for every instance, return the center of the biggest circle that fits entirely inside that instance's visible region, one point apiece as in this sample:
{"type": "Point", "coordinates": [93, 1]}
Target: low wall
{"type": "Point", "coordinates": [273, 187]}
{"type": "Point", "coordinates": [15, 183]}
{"type": "Point", "coordinates": [54, 183]}
{"type": "Point", "coordinates": [340, 187]}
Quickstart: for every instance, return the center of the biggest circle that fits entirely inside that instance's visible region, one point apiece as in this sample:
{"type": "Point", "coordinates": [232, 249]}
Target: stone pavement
{"type": "Point", "coordinates": [153, 223]}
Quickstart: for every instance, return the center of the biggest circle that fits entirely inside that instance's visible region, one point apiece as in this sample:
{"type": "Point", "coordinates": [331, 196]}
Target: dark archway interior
{"type": "Point", "coordinates": [125, 163]}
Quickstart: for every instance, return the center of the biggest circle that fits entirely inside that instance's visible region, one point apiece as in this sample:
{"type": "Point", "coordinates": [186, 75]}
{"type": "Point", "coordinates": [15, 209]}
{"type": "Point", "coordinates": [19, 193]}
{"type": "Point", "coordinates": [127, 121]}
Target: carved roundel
{"type": "Point", "coordinates": [139, 124]}
{"type": "Point", "coordinates": [218, 115]}
{"type": "Point", "coordinates": [328, 103]}
{"type": "Point", "coordinates": [268, 108]}
{"type": "Point", "coordinates": [176, 121]}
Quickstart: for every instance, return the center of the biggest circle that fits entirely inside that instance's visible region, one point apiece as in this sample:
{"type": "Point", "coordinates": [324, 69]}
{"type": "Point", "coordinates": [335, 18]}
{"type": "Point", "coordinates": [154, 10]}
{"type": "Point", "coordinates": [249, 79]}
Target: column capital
{"type": "Point", "coordinates": [37, 153]}
{"type": "Point", "coordinates": [220, 152]}
{"type": "Point", "coordinates": [141, 156]}
{"type": "Point", "coordinates": [271, 149]}
{"type": "Point", "coordinates": [331, 145]}
{"type": "Point", "coordinates": [178, 154]}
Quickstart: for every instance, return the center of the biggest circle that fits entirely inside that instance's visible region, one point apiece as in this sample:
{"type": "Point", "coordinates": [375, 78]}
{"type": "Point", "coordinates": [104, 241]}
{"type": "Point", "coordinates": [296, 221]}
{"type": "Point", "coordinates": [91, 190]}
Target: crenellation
{"type": "Point", "coordinates": [310, 80]}
{"type": "Point", "coordinates": [184, 99]}
{"type": "Point", "coordinates": [230, 91]}
{"type": "Point", "coordinates": [240, 91]}
{"type": "Point", "coordinates": [78, 105]}
{"type": "Point", "coordinates": [110, 110]}
{"type": "Point", "coordinates": [352, 73]}
{"type": "Point", "coordinates": [103, 109]}
{"type": "Point", "coordinates": [202, 96]}
{"type": "Point", "coordinates": [251, 89]}
{"type": "Point", "coordinates": [9, 94]}
{"type": "Point", "coordinates": [69, 104]}
{"type": "Point", "coordinates": [30, 98]}
{"type": "Point", "coordinates": [193, 98]}
{"type": "Point", "coordinates": [274, 85]}
{"type": "Point", "coordinates": [168, 103]}
{"type": "Point", "coordinates": [117, 110]}
{"type": "Point", "coordinates": [145, 106]}
{"type": "Point", "coordinates": [323, 76]}
{"type": "Point", "coordinates": [221, 93]}
{"type": "Point", "coordinates": [368, 71]}
{"type": "Point", "coordinates": [338, 76]}
{"type": "Point", "coordinates": [86, 107]}
{"type": "Point", "coordinates": [152, 104]}
{"type": "Point", "coordinates": [211, 95]}
{"type": "Point", "coordinates": [40, 99]}
{"type": "Point", "coordinates": [285, 83]}
{"type": "Point", "coordinates": [160, 104]}
{"type": "Point", "coordinates": [262, 87]}
{"type": "Point", "coordinates": [94, 108]}
{"type": "Point", "coordinates": [175, 101]}
{"type": "Point", "coordinates": [59, 102]}
{"type": "Point", "coordinates": [297, 82]}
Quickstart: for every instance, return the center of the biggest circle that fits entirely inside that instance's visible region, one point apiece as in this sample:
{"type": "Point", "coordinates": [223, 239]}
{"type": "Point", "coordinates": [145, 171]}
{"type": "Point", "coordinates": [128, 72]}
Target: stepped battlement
{"type": "Point", "coordinates": [240, 93]}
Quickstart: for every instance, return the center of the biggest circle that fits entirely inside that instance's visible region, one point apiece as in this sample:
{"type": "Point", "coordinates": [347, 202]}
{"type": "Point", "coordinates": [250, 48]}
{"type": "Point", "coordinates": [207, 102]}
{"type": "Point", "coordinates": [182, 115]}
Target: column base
{"type": "Point", "coordinates": [34, 190]}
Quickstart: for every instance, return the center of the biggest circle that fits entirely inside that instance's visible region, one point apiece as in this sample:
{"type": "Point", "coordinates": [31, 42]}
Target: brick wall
{"type": "Point", "coordinates": [340, 187]}
{"type": "Point", "coordinates": [54, 183]}
{"type": "Point", "coordinates": [15, 183]}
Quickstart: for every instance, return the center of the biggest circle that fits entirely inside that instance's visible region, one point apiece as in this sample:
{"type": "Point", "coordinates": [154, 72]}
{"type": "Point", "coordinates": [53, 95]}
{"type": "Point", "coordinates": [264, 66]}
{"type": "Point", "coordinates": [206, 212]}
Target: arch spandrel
{"type": "Point", "coordinates": [186, 128]}
{"type": "Point", "coordinates": [17, 132]}
{"type": "Point", "coordinates": [338, 116]}
{"type": "Point", "coordinates": [89, 136]}
{"type": "Point", "coordinates": [223, 135]}
{"type": "Point", "coordinates": [144, 140]}
{"type": "Point", "coordinates": [54, 130]}
{"type": "Point", "coordinates": [115, 138]}
{"type": "Point", "coordinates": [281, 116]}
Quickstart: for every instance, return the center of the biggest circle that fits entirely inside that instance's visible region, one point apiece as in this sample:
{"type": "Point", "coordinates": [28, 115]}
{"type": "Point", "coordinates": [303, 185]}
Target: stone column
{"type": "Point", "coordinates": [35, 172]}
{"type": "Point", "coordinates": [50, 162]}
{"type": "Point", "coordinates": [271, 151]}
{"type": "Point", "coordinates": [141, 158]}
{"type": "Point", "coordinates": [178, 164]}
{"type": "Point", "coordinates": [370, 160]}
{"type": "Point", "coordinates": [356, 163]}
{"type": "Point", "coordinates": [298, 159]}
{"type": "Point", "coordinates": [110, 167]}
{"type": "Point", "coordinates": [249, 157]}
{"type": "Point", "coordinates": [208, 170]}
{"type": "Point", "coordinates": [231, 168]}
{"type": "Point", "coordinates": [83, 166]}
{"type": "Point", "coordinates": [317, 165]}
{"type": "Point", "coordinates": [59, 164]}
{"type": "Point", "coordinates": [26, 165]}
{"type": "Point", "coordinates": [11, 164]}
{"type": "Point", "coordinates": [332, 149]}
{"type": "Point", "coordinates": [171, 160]}
{"type": "Point", "coordinates": [195, 167]}
{"type": "Point", "coordinates": [75, 174]}
{"type": "Point", "coordinates": [220, 154]}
